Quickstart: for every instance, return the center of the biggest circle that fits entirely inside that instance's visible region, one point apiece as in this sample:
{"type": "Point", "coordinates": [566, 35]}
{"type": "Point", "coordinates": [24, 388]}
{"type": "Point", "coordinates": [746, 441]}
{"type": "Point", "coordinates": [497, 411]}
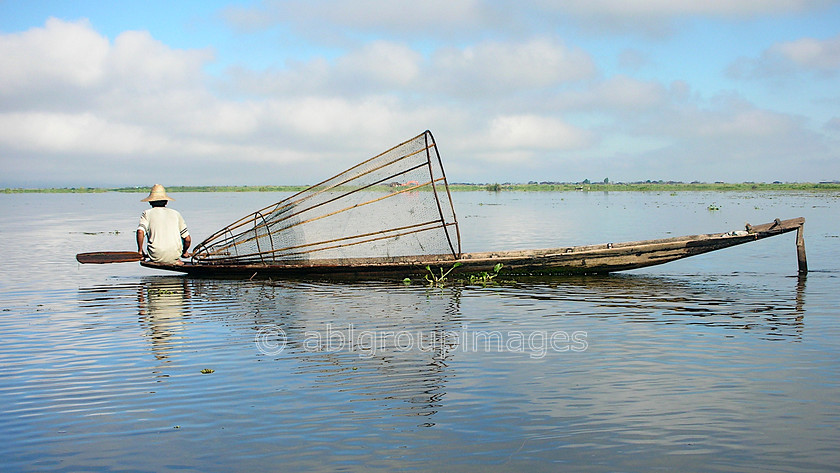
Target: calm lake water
{"type": "Point", "coordinates": [722, 362]}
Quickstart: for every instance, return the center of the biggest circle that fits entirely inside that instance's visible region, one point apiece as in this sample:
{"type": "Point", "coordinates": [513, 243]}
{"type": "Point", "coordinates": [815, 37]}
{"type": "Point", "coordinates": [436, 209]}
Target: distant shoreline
{"type": "Point", "coordinates": [653, 186]}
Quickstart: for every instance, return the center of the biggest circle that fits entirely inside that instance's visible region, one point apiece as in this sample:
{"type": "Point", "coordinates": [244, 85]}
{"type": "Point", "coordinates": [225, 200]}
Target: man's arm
{"type": "Point", "coordinates": [187, 241]}
{"type": "Point", "coordinates": [141, 235]}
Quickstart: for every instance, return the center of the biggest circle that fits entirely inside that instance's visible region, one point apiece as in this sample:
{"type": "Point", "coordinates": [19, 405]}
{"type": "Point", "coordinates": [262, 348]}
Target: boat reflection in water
{"type": "Point", "coordinates": [769, 313]}
{"type": "Point", "coordinates": [394, 345]}
{"type": "Point", "coordinates": [383, 348]}
{"type": "Point", "coordinates": [162, 308]}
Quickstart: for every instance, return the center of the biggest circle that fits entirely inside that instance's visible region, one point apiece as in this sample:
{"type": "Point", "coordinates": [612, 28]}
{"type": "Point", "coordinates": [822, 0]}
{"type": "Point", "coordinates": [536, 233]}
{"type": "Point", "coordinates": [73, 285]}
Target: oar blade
{"type": "Point", "coordinates": [103, 257]}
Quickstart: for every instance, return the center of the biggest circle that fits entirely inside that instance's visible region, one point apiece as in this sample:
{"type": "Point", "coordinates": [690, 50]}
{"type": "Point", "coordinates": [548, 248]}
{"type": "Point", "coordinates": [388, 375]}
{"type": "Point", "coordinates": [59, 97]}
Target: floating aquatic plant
{"type": "Point", "coordinates": [484, 278]}
{"type": "Point", "coordinates": [439, 281]}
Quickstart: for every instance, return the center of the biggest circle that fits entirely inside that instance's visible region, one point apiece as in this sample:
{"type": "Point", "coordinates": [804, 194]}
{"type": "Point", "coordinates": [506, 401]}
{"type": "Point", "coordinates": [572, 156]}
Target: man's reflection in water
{"type": "Point", "coordinates": [162, 306]}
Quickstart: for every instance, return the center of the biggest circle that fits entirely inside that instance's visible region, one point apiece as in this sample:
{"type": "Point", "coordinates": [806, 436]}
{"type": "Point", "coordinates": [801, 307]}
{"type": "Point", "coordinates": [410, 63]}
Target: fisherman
{"type": "Point", "coordinates": [168, 238]}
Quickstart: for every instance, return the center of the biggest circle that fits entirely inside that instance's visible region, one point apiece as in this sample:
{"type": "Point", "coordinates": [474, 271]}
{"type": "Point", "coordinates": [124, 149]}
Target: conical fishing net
{"type": "Point", "coordinates": [394, 205]}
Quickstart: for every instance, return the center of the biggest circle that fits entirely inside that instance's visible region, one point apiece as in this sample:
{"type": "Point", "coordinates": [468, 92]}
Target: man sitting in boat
{"type": "Point", "coordinates": [165, 230]}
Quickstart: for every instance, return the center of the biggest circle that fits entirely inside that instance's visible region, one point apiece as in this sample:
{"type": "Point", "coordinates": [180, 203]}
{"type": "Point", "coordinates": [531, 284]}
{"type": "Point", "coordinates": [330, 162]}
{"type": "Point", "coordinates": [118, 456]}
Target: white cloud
{"type": "Point", "coordinates": [139, 61]}
{"type": "Point", "coordinates": [663, 18]}
{"type": "Point", "coordinates": [77, 134]}
{"type": "Point", "coordinates": [669, 8]}
{"type": "Point", "coordinates": [326, 21]}
{"type": "Point", "coordinates": [520, 140]}
{"type": "Point", "coordinates": [72, 94]}
{"type": "Point", "coordinates": [502, 68]}
{"type": "Point", "coordinates": [61, 52]}
{"type": "Point", "coordinates": [333, 120]}
{"type": "Point", "coordinates": [530, 132]}
{"type": "Point", "coordinates": [621, 93]}
{"type": "Point", "coordinates": [633, 59]}
{"type": "Point", "coordinates": [810, 53]}
{"type": "Point", "coordinates": [486, 67]}
{"type": "Point", "coordinates": [729, 138]}
{"type": "Point", "coordinates": [152, 108]}
{"type": "Point", "coordinates": [744, 125]}
{"type": "Point", "coordinates": [725, 117]}
{"type": "Point", "coordinates": [325, 18]}
{"type": "Point", "coordinates": [380, 64]}
{"type": "Point", "coordinates": [783, 61]}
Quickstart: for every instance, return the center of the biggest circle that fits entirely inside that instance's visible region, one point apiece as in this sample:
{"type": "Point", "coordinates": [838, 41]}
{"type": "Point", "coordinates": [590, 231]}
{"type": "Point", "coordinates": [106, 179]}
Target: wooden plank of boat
{"type": "Point", "coordinates": [588, 259]}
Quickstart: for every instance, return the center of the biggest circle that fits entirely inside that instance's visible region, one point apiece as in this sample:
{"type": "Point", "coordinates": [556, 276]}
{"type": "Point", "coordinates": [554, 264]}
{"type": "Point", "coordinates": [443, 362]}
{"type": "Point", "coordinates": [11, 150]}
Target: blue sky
{"type": "Point", "coordinates": [288, 92]}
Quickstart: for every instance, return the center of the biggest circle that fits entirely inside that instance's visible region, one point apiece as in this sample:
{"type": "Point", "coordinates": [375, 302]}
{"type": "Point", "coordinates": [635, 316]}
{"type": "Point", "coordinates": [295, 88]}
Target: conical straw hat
{"type": "Point", "coordinates": [158, 193]}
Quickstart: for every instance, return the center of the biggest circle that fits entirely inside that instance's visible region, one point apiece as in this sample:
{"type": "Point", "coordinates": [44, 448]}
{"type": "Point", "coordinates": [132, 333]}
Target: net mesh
{"type": "Point", "coordinates": [394, 205]}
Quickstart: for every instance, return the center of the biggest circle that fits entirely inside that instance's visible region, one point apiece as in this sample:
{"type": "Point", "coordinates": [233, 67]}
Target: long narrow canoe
{"type": "Point", "coordinates": [589, 259]}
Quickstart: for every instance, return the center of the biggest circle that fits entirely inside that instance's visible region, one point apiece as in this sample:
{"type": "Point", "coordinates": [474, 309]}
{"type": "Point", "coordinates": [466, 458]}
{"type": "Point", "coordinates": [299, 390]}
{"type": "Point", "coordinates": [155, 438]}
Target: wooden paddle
{"type": "Point", "coordinates": [102, 257]}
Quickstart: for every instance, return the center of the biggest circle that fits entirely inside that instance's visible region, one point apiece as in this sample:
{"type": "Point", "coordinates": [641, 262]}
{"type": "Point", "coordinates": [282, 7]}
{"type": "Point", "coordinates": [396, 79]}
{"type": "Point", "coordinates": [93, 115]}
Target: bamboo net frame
{"type": "Point", "coordinates": [395, 204]}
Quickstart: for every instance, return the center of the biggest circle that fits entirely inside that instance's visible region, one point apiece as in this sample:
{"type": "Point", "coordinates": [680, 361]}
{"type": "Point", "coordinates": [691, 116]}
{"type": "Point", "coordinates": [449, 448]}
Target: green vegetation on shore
{"type": "Point", "coordinates": [651, 186]}
{"type": "Point", "coordinates": [647, 186]}
{"type": "Point", "coordinates": [173, 189]}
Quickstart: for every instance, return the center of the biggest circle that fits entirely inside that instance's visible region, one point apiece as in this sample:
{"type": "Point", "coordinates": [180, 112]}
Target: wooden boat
{"type": "Point", "coordinates": [392, 215]}
{"type": "Point", "coordinates": [589, 259]}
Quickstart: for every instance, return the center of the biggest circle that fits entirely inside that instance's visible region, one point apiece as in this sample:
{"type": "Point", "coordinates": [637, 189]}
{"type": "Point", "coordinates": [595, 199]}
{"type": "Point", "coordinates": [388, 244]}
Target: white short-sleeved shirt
{"type": "Point", "coordinates": [164, 229]}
